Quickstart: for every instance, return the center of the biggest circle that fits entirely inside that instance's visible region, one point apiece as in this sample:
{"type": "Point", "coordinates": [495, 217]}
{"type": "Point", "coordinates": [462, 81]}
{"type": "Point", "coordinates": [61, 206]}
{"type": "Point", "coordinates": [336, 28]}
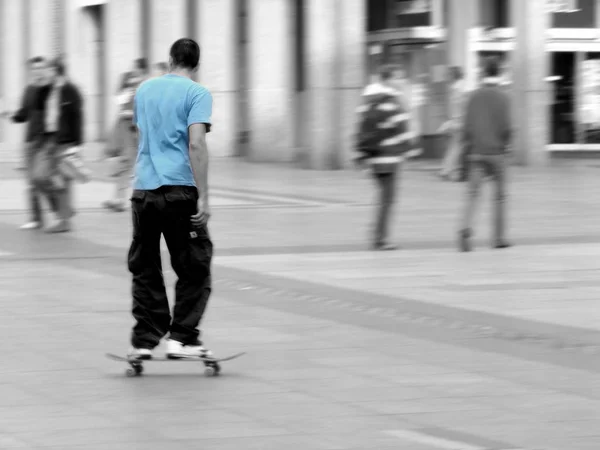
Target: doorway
{"type": "Point", "coordinates": [563, 98]}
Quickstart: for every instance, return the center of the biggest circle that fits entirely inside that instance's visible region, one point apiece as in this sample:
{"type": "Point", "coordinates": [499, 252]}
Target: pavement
{"type": "Point", "coordinates": [420, 349]}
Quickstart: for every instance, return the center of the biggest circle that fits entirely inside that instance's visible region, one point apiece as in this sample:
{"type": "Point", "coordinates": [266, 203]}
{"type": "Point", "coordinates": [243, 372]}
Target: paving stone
{"type": "Point", "coordinates": [343, 344]}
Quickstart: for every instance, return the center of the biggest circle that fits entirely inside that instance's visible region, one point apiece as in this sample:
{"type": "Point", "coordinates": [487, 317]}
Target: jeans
{"type": "Point", "coordinates": [480, 167]}
{"type": "Point", "coordinates": [386, 183]}
{"type": "Point", "coordinates": [166, 212]}
{"type": "Point", "coordinates": [33, 193]}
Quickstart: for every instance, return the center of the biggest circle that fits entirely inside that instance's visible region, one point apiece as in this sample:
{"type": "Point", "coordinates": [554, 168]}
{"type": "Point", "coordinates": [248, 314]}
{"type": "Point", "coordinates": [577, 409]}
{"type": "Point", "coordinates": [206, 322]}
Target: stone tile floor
{"type": "Point", "coordinates": [421, 349]}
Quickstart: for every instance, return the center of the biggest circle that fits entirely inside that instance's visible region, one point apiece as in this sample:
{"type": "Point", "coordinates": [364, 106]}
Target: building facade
{"type": "Point", "coordinates": [550, 51]}
{"type": "Point", "coordinates": [285, 75]}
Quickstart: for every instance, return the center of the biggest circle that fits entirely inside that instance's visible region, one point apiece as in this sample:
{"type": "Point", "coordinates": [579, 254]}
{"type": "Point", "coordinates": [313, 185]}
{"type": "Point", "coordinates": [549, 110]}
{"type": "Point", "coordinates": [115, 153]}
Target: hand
{"type": "Point", "coordinates": [203, 214]}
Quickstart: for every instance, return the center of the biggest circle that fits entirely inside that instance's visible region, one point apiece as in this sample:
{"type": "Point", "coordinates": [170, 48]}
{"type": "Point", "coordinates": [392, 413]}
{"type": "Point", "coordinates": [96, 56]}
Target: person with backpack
{"type": "Point", "coordinates": [383, 143]}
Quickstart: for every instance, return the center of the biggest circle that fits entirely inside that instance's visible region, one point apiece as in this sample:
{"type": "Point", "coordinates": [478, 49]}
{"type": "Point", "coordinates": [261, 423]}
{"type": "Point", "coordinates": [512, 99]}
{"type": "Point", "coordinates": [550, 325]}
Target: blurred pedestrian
{"type": "Point", "coordinates": [160, 69]}
{"type": "Point", "coordinates": [383, 142]}
{"type": "Point", "coordinates": [123, 144]}
{"type": "Point", "coordinates": [27, 113]}
{"type": "Point", "coordinates": [60, 107]}
{"type": "Point", "coordinates": [36, 76]}
{"type": "Point", "coordinates": [454, 164]}
{"type": "Point", "coordinates": [487, 137]}
{"type": "Point", "coordinates": [125, 139]}
{"type": "Point", "coordinates": [172, 114]}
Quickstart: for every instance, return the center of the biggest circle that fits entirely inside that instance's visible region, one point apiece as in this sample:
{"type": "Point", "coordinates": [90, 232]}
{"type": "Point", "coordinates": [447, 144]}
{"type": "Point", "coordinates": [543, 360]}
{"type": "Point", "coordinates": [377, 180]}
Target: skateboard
{"type": "Point", "coordinates": [212, 368]}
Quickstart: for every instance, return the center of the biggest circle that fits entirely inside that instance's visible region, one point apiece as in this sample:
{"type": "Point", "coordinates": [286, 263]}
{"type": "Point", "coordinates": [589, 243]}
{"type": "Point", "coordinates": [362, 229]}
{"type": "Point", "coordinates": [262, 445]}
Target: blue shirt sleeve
{"type": "Point", "coordinates": [200, 108]}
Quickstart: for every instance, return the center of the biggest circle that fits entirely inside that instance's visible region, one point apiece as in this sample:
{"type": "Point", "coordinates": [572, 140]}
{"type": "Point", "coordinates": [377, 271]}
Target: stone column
{"type": "Point", "coordinates": [530, 90]}
{"type": "Point", "coordinates": [216, 35]}
{"type": "Point", "coordinates": [270, 80]}
{"type": "Point", "coordinates": [13, 79]}
{"type": "Point", "coordinates": [168, 25]}
{"type": "Point", "coordinates": [335, 63]}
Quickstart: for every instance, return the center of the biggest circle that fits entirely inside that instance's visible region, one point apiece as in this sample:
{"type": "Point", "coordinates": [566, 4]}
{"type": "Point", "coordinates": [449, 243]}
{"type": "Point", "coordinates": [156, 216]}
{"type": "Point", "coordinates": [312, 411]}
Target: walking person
{"type": "Point", "coordinates": [172, 114]}
{"type": "Point", "coordinates": [60, 107]}
{"type": "Point", "coordinates": [125, 141]}
{"type": "Point", "coordinates": [27, 113]}
{"type": "Point", "coordinates": [454, 165]}
{"type": "Point", "coordinates": [487, 135]}
{"type": "Point", "coordinates": [383, 143]}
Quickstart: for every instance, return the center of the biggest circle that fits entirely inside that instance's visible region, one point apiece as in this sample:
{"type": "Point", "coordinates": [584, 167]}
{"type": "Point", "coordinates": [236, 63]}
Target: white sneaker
{"type": "Point", "coordinates": [30, 226]}
{"type": "Point", "coordinates": [139, 353]}
{"type": "Point", "coordinates": [176, 350]}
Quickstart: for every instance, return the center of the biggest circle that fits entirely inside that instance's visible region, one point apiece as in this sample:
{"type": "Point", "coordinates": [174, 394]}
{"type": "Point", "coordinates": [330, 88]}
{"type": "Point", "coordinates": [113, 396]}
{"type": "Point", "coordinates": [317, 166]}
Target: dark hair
{"type": "Point", "coordinates": [141, 64]}
{"type": "Point", "coordinates": [456, 73]}
{"type": "Point", "coordinates": [35, 60]}
{"type": "Point", "coordinates": [491, 67]}
{"type": "Point", "coordinates": [185, 53]}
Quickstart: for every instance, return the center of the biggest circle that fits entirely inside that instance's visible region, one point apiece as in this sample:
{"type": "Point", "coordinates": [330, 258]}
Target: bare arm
{"type": "Point", "coordinates": [199, 160]}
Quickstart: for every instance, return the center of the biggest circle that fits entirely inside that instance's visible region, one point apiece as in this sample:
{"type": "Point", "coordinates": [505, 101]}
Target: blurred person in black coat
{"type": "Point", "coordinates": [60, 106]}
{"type": "Point", "coordinates": [28, 113]}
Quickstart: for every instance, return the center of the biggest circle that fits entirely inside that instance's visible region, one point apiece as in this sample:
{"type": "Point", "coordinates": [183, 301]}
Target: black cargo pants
{"type": "Point", "coordinates": [167, 211]}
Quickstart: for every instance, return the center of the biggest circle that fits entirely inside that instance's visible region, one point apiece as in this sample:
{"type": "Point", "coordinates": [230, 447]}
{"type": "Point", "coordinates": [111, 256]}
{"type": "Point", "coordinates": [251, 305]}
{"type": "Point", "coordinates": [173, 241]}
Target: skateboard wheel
{"type": "Point", "coordinates": [131, 372]}
{"type": "Point", "coordinates": [211, 371]}
{"type": "Point", "coordinates": [139, 370]}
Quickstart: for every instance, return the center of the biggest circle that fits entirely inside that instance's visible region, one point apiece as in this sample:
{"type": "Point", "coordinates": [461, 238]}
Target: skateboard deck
{"type": "Point", "coordinates": [212, 366]}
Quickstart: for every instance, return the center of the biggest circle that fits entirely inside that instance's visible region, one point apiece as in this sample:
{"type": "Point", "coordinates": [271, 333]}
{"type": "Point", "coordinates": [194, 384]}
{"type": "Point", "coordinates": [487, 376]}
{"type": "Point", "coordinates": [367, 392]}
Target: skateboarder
{"type": "Point", "coordinates": [172, 114]}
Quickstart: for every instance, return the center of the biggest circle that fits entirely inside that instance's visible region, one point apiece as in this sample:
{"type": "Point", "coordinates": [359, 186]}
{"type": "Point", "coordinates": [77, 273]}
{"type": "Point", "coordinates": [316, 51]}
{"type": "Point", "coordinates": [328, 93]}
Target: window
{"type": "Point", "coordinates": [589, 98]}
{"type": "Point", "coordinates": [563, 98]}
{"type": "Point", "coordinates": [574, 14]}
{"type": "Point", "coordinates": [495, 13]}
{"type": "Point", "coordinates": [377, 15]}
{"type": "Point", "coordinates": [412, 13]}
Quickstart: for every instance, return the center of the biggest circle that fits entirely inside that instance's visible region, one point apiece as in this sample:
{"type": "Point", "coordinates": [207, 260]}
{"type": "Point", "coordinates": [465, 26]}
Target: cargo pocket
{"type": "Point", "coordinates": [200, 251]}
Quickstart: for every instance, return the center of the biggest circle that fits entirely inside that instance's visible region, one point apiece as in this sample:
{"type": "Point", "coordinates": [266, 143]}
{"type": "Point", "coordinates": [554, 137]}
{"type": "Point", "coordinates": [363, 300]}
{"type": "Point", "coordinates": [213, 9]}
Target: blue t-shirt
{"type": "Point", "coordinates": [164, 108]}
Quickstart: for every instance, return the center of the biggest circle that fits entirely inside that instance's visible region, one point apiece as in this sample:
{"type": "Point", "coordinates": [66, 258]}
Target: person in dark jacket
{"type": "Point", "coordinates": [36, 67]}
{"type": "Point", "coordinates": [27, 113]}
{"type": "Point", "coordinates": [487, 136]}
{"type": "Point", "coordinates": [60, 107]}
{"type": "Point", "coordinates": [383, 143]}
